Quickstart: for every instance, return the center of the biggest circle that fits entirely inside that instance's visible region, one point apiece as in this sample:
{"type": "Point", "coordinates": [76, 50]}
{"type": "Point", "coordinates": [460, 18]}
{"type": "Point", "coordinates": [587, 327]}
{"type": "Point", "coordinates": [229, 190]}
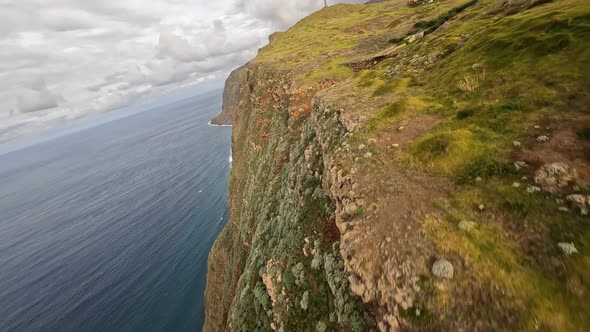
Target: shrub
{"type": "Point", "coordinates": [359, 211]}
{"type": "Point", "coordinates": [434, 147]}
{"type": "Point", "coordinates": [446, 152]}
{"type": "Point", "coordinates": [262, 296]}
{"type": "Point", "coordinates": [484, 167]}
{"type": "Point", "coordinates": [299, 273]}
{"type": "Point", "coordinates": [305, 301]}
{"type": "Point", "coordinates": [317, 261]}
{"type": "Point", "coordinates": [432, 25]}
{"type": "Point", "coordinates": [397, 41]}
{"type": "Point", "coordinates": [465, 114]}
{"type": "Point", "coordinates": [288, 279]}
{"type": "Point", "coordinates": [584, 133]}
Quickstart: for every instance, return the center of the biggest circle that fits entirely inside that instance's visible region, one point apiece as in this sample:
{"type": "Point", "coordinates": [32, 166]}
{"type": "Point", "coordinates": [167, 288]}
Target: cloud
{"type": "Point", "coordinates": [68, 19]}
{"type": "Point", "coordinates": [209, 42]}
{"type": "Point", "coordinates": [106, 54]}
{"type": "Point", "coordinates": [281, 14]}
{"type": "Point", "coordinates": [178, 48]}
{"type": "Point", "coordinates": [36, 97]}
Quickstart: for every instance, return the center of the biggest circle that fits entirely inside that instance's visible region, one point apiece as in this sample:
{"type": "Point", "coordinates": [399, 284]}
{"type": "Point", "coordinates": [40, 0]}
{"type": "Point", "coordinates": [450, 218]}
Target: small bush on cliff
{"type": "Point", "coordinates": [432, 25]}
{"type": "Point", "coordinates": [261, 296]}
{"type": "Point", "coordinates": [483, 167]}
{"type": "Point", "coordinates": [446, 151]}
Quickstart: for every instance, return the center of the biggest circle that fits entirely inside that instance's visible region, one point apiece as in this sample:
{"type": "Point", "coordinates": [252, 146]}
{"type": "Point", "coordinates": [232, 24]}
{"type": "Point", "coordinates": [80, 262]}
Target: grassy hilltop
{"type": "Point", "coordinates": [412, 167]}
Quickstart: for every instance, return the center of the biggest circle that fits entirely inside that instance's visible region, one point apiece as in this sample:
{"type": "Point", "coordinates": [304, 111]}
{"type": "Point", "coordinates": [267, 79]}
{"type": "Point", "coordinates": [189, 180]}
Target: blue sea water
{"type": "Point", "coordinates": [109, 228]}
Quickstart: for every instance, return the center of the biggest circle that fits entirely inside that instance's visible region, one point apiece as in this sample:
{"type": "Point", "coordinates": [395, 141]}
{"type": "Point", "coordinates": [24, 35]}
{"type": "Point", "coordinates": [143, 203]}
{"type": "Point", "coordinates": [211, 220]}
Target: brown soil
{"type": "Point", "coordinates": [388, 242]}
{"type": "Point", "coordinates": [402, 196]}
{"type": "Point", "coordinates": [563, 146]}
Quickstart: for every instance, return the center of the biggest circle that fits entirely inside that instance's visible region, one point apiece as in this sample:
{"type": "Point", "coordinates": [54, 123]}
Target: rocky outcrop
{"type": "Point", "coordinates": [554, 177]}
{"type": "Point", "coordinates": [231, 97]}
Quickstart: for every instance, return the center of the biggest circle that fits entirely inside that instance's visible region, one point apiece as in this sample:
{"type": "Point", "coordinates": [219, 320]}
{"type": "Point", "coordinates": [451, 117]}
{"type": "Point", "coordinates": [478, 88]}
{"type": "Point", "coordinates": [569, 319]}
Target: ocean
{"type": "Point", "coordinates": [109, 228]}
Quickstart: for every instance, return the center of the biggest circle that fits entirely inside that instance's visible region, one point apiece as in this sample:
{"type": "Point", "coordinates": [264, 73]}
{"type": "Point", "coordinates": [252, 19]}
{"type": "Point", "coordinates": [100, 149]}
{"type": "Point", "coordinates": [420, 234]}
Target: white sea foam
{"type": "Point", "coordinates": [216, 125]}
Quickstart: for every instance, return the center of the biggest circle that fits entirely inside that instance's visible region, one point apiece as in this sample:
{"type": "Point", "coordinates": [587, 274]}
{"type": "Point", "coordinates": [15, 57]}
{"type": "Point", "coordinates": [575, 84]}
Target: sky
{"type": "Point", "coordinates": [61, 60]}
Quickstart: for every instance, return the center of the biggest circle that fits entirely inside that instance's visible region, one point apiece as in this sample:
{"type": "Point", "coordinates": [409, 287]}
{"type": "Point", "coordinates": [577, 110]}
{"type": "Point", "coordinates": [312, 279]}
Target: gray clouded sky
{"type": "Point", "coordinates": [63, 59]}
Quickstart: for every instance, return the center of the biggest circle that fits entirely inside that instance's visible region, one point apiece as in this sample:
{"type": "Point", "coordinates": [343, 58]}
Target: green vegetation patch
{"type": "Point", "coordinates": [432, 25]}
{"type": "Point", "coordinates": [396, 111]}
{"type": "Point", "coordinates": [334, 69]}
{"type": "Point", "coordinates": [393, 87]}
{"type": "Point", "coordinates": [514, 246]}
{"type": "Point", "coordinates": [446, 151]}
{"type": "Point", "coordinates": [368, 78]}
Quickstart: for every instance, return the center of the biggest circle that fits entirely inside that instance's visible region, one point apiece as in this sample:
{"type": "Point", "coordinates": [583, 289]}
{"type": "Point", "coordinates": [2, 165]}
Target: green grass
{"type": "Point", "coordinates": [447, 152]}
{"type": "Point", "coordinates": [394, 112]}
{"type": "Point", "coordinates": [368, 78]}
{"type": "Point", "coordinates": [522, 269]}
{"type": "Point", "coordinates": [335, 32]}
{"type": "Point", "coordinates": [334, 69]}
{"type": "Point", "coordinates": [431, 25]}
{"type": "Point", "coordinates": [383, 89]}
{"type": "Point", "coordinates": [396, 86]}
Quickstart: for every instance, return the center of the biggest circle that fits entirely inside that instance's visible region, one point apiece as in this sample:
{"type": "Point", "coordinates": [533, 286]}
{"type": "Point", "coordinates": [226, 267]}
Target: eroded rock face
{"type": "Point", "coordinates": [281, 249]}
{"type": "Point", "coordinates": [231, 96]}
{"type": "Point", "coordinates": [382, 252]}
{"type": "Point", "coordinates": [555, 177]}
{"type": "Point", "coordinates": [269, 283]}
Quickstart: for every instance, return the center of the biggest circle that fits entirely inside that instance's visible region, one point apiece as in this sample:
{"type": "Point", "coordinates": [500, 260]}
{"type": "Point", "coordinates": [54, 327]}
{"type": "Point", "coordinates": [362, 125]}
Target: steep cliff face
{"type": "Point", "coordinates": [394, 171]}
{"type": "Point", "coordinates": [280, 248]}
{"type": "Point", "coordinates": [231, 96]}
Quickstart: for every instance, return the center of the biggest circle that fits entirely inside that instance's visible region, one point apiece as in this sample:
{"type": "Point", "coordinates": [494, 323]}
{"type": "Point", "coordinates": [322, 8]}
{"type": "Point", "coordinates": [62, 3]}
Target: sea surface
{"type": "Point", "coordinates": [109, 228]}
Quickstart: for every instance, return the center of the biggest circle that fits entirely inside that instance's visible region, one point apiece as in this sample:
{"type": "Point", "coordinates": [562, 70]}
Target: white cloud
{"type": "Point", "coordinates": [100, 55]}
{"type": "Point", "coordinates": [35, 96]}
{"type": "Point", "coordinates": [281, 14]}
{"type": "Point", "coordinates": [178, 48]}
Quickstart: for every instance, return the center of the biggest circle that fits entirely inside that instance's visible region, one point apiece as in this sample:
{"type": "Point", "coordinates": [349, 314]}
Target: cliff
{"type": "Point", "coordinates": [411, 167]}
{"type": "Point", "coordinates": [231, 96]}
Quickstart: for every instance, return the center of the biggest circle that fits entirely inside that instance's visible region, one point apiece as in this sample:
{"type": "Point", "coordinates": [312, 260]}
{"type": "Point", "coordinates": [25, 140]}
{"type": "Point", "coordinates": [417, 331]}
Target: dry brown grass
{"type": "Point", "coordinates": [472, 81]}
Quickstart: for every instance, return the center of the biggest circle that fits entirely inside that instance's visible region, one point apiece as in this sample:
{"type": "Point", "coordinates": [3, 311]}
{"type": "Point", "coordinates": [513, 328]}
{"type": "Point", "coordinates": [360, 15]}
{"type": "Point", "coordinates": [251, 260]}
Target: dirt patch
{"type": "Point", "coordinates": [563, 146]}
{"type": "Point", "coordinates": [406, 131]}
{"type": "Point", "coordinates": [329, 231]}
{"type": "Point", "coordinates": [403, 196]}
{"type": "Point", "coordinates": [388, 53]}
{"type": "Point", "coordinates": [387, 248]}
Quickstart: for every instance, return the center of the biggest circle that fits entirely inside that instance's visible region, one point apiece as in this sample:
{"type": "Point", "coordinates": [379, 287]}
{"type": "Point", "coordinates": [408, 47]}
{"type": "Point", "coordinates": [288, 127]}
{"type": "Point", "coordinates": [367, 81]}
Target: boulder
{"type": "Point", "coordinates": [554, 177]}
{"type": "Point", "coordinates": [567, 248]}
{"type": "Point", "coordinates": [579, 202]}
{"type": "Point", "coordinates": [442, 268]}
